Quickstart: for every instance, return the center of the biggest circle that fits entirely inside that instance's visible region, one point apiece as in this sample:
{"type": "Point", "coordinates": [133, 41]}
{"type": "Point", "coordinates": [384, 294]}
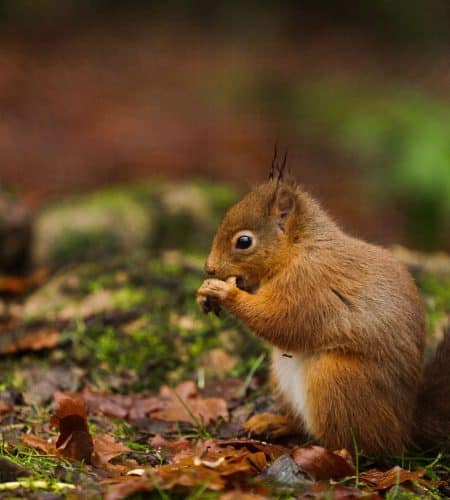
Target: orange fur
{"type": "Point", "coordinates": [347, 311]}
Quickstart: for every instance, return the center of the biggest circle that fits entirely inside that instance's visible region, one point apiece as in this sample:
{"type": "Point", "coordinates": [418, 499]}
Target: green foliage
{"type": "Point", "coordinates": [436, 291]}
{"type": "Point", "coordinates": [404, 136]}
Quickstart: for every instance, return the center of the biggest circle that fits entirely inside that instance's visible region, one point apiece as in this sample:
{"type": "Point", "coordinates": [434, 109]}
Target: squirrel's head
{"type": "Point", "coordinates": [256, 235]}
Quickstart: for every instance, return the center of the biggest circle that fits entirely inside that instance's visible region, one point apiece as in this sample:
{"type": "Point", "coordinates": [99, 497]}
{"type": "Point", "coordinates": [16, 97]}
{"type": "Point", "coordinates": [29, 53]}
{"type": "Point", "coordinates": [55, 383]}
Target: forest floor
{"type": "Point", "coordinates": [113, 383]}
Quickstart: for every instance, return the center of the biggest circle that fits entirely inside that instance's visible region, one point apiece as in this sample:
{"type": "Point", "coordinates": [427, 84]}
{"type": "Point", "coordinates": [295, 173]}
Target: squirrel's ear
{"type": "Point", "coordinates": [283, 206]}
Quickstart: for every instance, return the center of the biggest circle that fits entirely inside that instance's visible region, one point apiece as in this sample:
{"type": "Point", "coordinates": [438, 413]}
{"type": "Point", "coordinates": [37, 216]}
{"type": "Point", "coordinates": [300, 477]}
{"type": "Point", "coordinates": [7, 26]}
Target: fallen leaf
{"type": "Point", "coordinates": [380, 480]}
{"type": "Point", "coordinates": [5, 407]}
{"type": "Point", "coordinates": [272, 451]}
{"type": "Point", "coordinates": [134, 407]}
{"type": "Point", "coordinates": [74, 440]}
{"type": "Point", "coordinates": [33, 341]}
{"type": "Point", "coordinates": [167, 477]}
{"type": "Point", "coordinates": [269, 425]}
{"type": "Point", "coordinates": [241, 495]}
{"type": "Point", "coordinates": [321, 463]}
{"type": "Point", "coordinates": [185, 390]}
{"type": "Point", "coordinates": [228, 388]}
{"type": "Point", "coordinates": [128, 487]}
{"type": "Point", "coordinates": [39, 443]}
{"type": "Point", "coordinates": [188, 475]}
{"type": "Point", "coordinates": [227, 460]}
{"type": "Point", "coordinates": [142, 407]}
{"type": "Point", "coordinates": [20, 284]}
{"type": "Point", "coordinates": [213, 464]}
{"type": "Point", "coordinates": [106, 448]}
{"type": "Point", "coordinates": [171, 447]}
{"type": "Point", "coordinates": [183, 404]}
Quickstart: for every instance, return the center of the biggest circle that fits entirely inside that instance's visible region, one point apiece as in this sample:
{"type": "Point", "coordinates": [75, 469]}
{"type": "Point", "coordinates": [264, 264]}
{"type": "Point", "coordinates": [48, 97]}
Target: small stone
{"type": "Point", "coordinates": [285, 471]}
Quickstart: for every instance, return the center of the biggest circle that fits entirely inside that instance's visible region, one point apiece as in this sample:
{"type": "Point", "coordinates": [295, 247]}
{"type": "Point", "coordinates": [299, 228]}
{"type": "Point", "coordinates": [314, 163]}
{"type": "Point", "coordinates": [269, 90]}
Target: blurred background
{"type": "Point", "coordinates": [97, 94]}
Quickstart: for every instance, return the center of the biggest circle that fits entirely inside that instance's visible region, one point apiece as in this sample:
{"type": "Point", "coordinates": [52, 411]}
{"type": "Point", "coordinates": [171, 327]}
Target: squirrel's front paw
{"type": "Point", "coordinates": [213, 293]}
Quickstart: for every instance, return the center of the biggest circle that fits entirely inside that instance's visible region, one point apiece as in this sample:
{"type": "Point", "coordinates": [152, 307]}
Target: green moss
{"type": "Point", "coordinates": [128, 298]}
{"type": "Point", "coordinates": [76, 245]}
{"type": "Point", "coordinates": [143, 321]}
{"type": "Point", "coordinates": [436, 291]}
{"type": "Point", "coordinates": [154, 216]}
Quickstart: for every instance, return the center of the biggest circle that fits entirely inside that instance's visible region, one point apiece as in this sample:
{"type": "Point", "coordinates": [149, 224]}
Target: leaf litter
{"type": "Point", "coordinates": [244, 467]}
{"type": "Point", "coordinates": [179, 440]}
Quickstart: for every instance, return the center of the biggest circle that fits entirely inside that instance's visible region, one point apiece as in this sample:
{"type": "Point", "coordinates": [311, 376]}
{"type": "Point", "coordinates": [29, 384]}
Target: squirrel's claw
{"type": "Point", "coordinates": [212, 293]}
{"type": "Point", "coordinates": [207, 305]}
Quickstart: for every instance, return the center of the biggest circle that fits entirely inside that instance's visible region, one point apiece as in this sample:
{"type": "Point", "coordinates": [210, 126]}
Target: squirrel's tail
{"type": "Point", "coordinates": [432, 425]}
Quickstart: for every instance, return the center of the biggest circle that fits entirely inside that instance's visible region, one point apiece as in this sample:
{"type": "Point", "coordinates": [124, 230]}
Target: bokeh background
{"type": "Point", "coordinates": [101, 93]}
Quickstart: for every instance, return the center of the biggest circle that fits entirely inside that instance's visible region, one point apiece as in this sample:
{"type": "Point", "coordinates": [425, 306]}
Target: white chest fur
{"type": "Point", "coordinates": [289, 373]}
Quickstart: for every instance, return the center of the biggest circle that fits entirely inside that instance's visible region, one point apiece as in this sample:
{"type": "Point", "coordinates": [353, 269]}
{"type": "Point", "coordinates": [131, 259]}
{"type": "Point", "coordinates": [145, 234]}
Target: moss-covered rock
{"type": "Point", "coordinates": [154, 216]}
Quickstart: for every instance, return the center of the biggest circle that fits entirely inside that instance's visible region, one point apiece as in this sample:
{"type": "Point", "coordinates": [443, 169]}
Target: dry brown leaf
{"type": "Point", "coordinates": [39, 443]}
{"type": "Point", "coordinates": [20, 284]}
{"type": "Point", "coordinates": [133, 407]}
{"type": "Point", "coordinates": [227, 388]}
{"type": "Point", "coordinates": [185, 390]}
{"type": "Point", "coordinates": [380, 480]}
{"type": "Point", "coordinates": [74, 440]}
{"type": "Point", "coordinates": [191, 471]}
{"type": "Point", "coordinates": [183, 404]}
{"type": "Point", "coordinates": [320, 463]}
{"type": "Point", "coordinates": [142, 407]}
{"type": "Point", "coordinates": [5, 407]}
{"type": "Point", "coordinates": [106, 448]}
{"type": "Point", "coordinates": [227, 460]}
{"type": "Point", "coordinates": [170, 447]}
{"type": "Point", "coordinates": [241, 495]}
{"type": "Point", "coordinates": [188, 475]}
{"type": "Point", "coordinates": [272, 451]}
{"type": "Point", "coordinates": [211, 463]}
{"type": "Point", "coordinates": [127, 487]}
{"type": "Point", "coordinates": [33, 341]}
{"type": "Point", "coordinates": [269, 424]}
{"type": "Point", "coordinates": [167, 477]}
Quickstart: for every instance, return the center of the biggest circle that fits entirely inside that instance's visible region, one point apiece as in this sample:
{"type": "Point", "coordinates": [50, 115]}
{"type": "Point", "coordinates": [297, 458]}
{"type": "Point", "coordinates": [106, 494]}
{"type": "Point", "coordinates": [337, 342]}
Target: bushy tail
{"type": "Point", "coordinates": [433, 411]}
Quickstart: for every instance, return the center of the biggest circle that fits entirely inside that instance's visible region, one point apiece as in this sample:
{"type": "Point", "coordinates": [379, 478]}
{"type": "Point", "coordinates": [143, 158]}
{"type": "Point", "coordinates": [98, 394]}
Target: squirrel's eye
{"type": "Point", "coordinates": [244, 242]}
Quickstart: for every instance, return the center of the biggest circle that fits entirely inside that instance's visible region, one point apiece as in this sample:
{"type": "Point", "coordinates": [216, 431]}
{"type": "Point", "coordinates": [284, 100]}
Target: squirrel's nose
{"type": "Point", "coordinates": [210, 269]}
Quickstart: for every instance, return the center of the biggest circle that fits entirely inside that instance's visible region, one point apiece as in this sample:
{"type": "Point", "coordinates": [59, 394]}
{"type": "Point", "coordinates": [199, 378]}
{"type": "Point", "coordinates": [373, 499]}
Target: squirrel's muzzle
{"type": "Point", "coordinates": [209, 269]}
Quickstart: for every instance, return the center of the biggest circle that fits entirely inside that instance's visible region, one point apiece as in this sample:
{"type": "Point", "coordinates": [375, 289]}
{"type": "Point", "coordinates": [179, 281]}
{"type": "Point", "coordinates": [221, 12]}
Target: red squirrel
{"type": "Point", "coordinates": [345, 319]}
